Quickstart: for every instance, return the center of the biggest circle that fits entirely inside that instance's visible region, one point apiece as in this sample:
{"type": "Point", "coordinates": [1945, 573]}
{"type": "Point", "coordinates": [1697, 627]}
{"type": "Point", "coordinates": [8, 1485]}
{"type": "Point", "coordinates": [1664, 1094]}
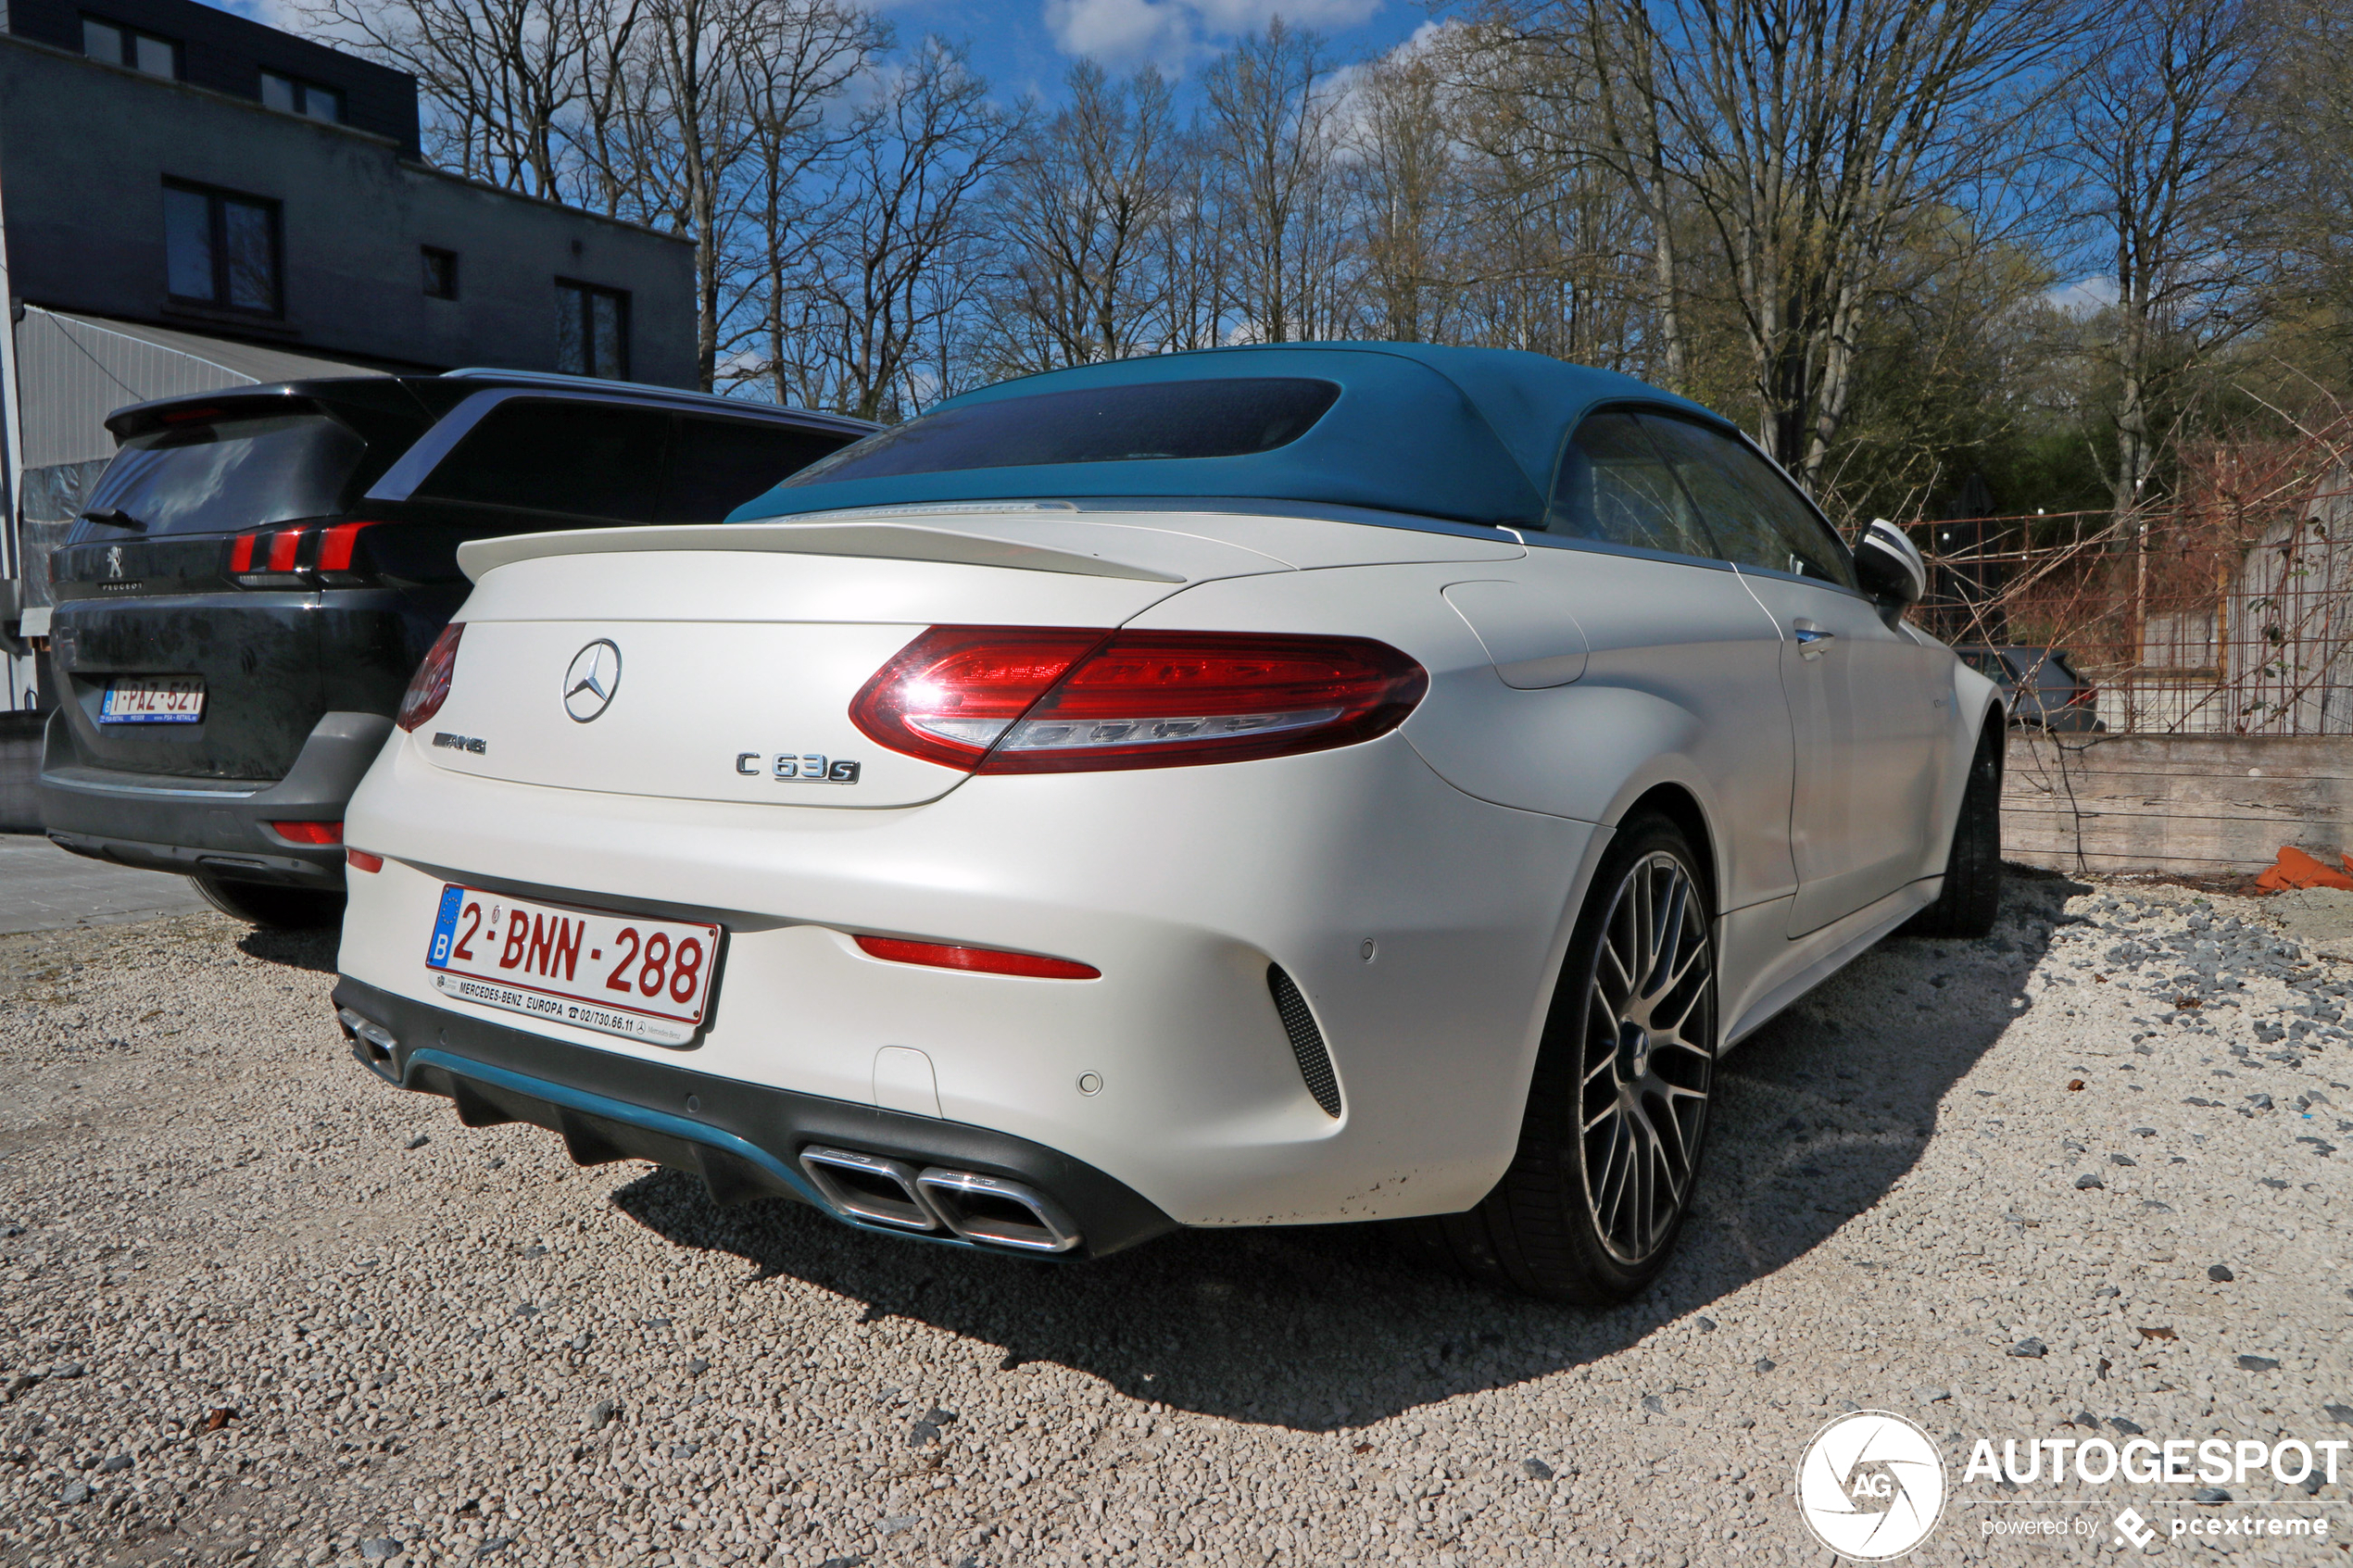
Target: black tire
{"type": "Point", "coordinates": [278, 909]}
{"type": "Point", "coordinates": [1972, 893]}
{"type": "Point", "coordinates": [1608, 1095]}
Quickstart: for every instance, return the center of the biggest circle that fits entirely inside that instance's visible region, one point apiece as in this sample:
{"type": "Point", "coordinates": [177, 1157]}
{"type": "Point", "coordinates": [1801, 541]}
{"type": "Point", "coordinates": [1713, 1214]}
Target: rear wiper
{"type": "Point", "coordinates": [116, 517]}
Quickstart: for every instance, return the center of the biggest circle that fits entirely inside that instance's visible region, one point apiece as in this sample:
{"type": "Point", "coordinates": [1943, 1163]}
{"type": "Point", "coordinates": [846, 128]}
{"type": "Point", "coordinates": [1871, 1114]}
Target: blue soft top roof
{"type": "Point", "coordinates": [1464, 433]}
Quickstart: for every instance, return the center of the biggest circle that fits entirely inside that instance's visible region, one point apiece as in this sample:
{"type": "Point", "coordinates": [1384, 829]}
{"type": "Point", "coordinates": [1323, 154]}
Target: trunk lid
{"type": "Point", "coordinates": [735, 651]}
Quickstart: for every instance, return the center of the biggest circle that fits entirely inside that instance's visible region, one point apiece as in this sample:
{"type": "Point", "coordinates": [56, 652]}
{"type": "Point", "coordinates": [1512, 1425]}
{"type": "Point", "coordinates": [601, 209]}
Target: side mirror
{"type": "Point", "coordinates": [1890, 567]}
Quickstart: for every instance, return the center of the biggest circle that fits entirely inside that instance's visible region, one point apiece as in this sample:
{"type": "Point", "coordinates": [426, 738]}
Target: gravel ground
{"type": "Point", "coordinates": [256, 1306]}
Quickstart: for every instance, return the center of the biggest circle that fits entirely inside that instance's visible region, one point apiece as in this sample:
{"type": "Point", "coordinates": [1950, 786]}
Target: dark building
{"type": "Point", "coordinates": [191, 200]}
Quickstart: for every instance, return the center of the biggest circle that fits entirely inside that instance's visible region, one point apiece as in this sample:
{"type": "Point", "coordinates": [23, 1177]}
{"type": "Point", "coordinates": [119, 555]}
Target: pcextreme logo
{"type": "Point", "coordinates": [1871, 1485]}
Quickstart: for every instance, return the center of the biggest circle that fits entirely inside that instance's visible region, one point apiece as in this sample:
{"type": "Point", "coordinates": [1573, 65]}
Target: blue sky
{"type": "Point", "coordinates": [1025, 45]}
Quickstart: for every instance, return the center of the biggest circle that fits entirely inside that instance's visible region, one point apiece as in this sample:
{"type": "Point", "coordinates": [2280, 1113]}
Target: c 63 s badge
{"type": "Point", "coordinates": [796, 767]}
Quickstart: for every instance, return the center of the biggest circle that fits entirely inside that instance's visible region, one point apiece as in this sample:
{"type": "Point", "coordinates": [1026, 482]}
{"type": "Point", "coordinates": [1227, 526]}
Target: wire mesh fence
{"type": "Point", "coordinates": [2229, 612]}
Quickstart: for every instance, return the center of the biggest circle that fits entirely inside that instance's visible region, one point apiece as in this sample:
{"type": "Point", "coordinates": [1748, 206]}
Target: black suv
{"type": "Point", "coordinates": [258, 571]}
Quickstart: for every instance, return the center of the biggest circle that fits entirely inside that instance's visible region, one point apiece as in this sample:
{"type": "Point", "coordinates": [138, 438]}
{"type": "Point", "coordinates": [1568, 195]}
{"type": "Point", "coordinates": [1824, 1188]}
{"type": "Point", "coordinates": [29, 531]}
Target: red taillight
{"type": "Point", "coordinates": [1051, 701]}
{"type": "Point", "coordinates": [336, 545]}
{"type": "Point", "coordinates": [954, 691]}
{"type": "Point", "coordinates": [309, 832]}
{"type": "Point", "coordinates": [2083, 694]}
{"type": "Point", "coordinates": [269, 560]}
{"type": "Point", "coordinates": [986, 961]}
{"type": "Point", "coordinates": [429, 687]}
{"type": "Point", "coordinates": [360, 860]}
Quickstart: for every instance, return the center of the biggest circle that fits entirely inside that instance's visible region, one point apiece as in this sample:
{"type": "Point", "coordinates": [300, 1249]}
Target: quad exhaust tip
{"type": "Point", "coordinates": [1001, 1213]}
{"type": "Point", "coordinates": [869, 1186]}
{"type": "Point", "coordinates": [988, 1210]}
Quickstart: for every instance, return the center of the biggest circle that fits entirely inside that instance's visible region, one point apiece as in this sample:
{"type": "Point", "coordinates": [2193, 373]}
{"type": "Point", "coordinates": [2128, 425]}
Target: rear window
{"type": "Point", "coordinates": [717, 465]}
{"type": "Point", "coordinates": [2043, 667]}
{"type": "Point", "coordinates": [583, 460]}
{"type": "Point", "coordinates": [1192, 419]}
{"type": "Point", "coordinates": [222, 475]}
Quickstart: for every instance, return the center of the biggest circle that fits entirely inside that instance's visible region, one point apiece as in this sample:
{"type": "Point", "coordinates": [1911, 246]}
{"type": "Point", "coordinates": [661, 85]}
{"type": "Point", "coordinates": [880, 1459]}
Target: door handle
{"type": "Point", "coordinates": [1811, 638]}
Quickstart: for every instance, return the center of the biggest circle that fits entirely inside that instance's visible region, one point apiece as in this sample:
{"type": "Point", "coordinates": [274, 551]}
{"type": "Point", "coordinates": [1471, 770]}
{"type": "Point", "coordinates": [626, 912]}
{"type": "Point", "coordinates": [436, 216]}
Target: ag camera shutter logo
{"type": "Point", "coordinates": [1871, 1485]}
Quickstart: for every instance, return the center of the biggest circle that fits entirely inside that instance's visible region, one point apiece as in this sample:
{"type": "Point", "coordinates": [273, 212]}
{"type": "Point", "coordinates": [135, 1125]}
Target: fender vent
{"type": "Point", "coordinates": [1306, 1040]}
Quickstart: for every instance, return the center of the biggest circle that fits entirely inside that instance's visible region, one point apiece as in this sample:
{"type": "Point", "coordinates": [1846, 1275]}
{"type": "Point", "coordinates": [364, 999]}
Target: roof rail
{"type": "Point", "coordinates": [668, 394]}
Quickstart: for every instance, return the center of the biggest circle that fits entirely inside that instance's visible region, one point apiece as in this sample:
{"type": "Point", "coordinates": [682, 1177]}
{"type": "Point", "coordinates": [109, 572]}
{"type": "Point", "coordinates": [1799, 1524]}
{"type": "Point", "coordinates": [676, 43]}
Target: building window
{"type": "Point", "coordinates": [126, 46]}
{"type": "Point", "coordinates": [301, 97]}
{"type": "Point", "coordinates": [441, 273]}
{"type": "Point", "coordinates": [592, 330]}
{"type": "Point", "coordinates": [222, 249]}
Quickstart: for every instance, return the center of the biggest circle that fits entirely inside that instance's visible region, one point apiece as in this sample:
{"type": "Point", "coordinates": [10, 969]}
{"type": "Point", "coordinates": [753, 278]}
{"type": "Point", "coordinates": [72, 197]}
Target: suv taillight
{"type": "Point", "coordinates": [285, 557]}
{"type": "Point", "coordinates": [429, 687]}
{"type": "Point", "coordinates": [1011, 699]}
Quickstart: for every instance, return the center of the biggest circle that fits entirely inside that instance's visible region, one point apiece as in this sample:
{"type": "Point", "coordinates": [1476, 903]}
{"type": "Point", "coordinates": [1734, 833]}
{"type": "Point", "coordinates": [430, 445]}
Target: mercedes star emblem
{"type": "Point", "coordinates": [594, 676]}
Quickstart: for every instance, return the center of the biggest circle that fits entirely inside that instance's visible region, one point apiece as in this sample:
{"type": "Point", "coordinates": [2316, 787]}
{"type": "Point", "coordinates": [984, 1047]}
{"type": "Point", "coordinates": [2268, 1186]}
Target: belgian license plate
{"type": "Point", "coordinates": [621, 974]}
{"type": "Point", "coordinates": [152, 699]}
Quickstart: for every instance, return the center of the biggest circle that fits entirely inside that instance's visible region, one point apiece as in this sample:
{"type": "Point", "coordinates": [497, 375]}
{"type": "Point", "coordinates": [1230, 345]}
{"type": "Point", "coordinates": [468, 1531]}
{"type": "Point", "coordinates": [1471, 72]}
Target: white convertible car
{"type": "Point", "coordinates": [1272, 786]}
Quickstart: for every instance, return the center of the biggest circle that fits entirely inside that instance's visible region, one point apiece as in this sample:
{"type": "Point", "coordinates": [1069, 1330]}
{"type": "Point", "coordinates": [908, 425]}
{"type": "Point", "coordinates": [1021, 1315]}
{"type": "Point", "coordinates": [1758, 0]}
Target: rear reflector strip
{"type": "Point", "coordinates": [309, 832]}
{"type": "Point", "coordinates": [983, 960]}
{"type": "Point", "coordinates": [360, 860]}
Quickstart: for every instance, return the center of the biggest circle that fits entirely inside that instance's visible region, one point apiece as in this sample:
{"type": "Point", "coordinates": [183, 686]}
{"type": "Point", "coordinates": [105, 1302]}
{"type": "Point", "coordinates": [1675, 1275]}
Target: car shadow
{"type": "Point", "coordinates": [313, 950]}
{"type": "Point", "coordinates": [1817, 1117]}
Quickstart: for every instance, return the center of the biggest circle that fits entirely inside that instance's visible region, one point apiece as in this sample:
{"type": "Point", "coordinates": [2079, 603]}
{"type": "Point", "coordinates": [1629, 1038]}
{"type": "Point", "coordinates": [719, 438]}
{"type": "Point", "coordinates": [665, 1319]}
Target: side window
{"type": "Point", "coordinates": [1615, 486]}
{"type": "Point", "coordinates": [717, 465]}
{"type": "Point", "coordinates": [1755, 515]}
{"type": "Point", "coordinates": [548, 454]}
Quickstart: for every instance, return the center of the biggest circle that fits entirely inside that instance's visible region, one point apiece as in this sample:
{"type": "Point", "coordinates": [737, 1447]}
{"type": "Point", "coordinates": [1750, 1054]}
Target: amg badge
{"type": "Point", "coordinates": [796, 767]}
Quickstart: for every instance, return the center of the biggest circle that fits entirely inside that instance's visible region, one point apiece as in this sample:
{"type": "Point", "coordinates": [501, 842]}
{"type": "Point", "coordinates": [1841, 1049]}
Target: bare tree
{"type": "Point", "coordinates": [1553, 252]}
{"type": "Point", "coordinates": [2309, 151]}
{"type": "Point", "coordinates": [896, 258]}
{"type": "Point", "coordinates": [1080, 207]}
{"type": "Point", "coordinates": [2162, 125]}
{"type": "Point", "coordinates": [1408, 189]}
{"type": "Point", "coordinates": [805, 54]}
{"type": "Point", "coordinates": [1269, 132]}
{"type": "Point", "coordinates": [498, 77]}
{"type": "Point", "coordinates": [1803, 135]}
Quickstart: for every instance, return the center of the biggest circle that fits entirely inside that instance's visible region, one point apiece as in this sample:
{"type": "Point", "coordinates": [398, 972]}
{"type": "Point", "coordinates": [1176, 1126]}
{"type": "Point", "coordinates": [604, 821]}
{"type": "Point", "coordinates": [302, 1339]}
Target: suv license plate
{"type": "Point", "coordinates": [620, 974]}
{"type": "Point", "coordinates": [152, 699]}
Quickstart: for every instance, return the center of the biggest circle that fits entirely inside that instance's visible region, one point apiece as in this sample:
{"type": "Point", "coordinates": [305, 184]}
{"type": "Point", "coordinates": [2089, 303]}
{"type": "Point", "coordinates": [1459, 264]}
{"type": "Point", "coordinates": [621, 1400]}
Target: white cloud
{"type": "Point", "coordinates": [1173, 33]}
{"type": "Point", "coordinates": [2085, 297]}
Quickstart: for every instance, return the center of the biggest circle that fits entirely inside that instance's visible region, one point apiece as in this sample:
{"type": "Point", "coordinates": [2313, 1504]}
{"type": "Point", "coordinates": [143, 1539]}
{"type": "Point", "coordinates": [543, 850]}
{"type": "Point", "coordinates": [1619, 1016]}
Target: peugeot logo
{"type": "Point", "coordinates": [594, 676]}
{"type": "Point", "coordinates": [114, 560]}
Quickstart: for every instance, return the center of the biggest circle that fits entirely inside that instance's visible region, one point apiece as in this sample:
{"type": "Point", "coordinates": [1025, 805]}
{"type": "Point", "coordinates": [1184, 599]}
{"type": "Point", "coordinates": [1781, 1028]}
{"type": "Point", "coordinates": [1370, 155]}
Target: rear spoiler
{"type": "Point", "coordinates": [1014, 537]}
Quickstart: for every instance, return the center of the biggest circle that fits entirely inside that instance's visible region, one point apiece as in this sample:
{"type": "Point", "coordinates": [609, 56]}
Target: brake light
{"type": "Point", "coordinates": [309, 832]}
{"type": "Point", "coordinates": [1051, 701]}
{"type": "Point", "coordinates": [429, 687]}
{"type": "Point", "coordinates": [282, 545]}
{"type": "Point", "coordinates": [2083, 694]}
{"type": "Point", "coordinates": [984, 960]}
{"type": "Point", "coordinates": [241, 553]}
{"type": "Point", "coordinates": [360, 860]}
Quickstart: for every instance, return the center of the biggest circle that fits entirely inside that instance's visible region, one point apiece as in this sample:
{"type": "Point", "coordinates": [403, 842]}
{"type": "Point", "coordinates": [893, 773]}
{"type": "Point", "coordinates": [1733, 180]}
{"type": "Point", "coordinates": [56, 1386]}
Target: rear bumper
{"type": "Point", "coordinates": [203, 827]}
{"type": "Point", "coordinates": [744, 1140]}
{"type": "Point", "coordinates": [1419, 926]}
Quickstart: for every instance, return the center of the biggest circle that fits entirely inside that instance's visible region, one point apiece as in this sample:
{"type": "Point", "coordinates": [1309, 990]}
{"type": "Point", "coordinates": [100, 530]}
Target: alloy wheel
{"type": "Point", "coordinates": [1650, 1029]}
